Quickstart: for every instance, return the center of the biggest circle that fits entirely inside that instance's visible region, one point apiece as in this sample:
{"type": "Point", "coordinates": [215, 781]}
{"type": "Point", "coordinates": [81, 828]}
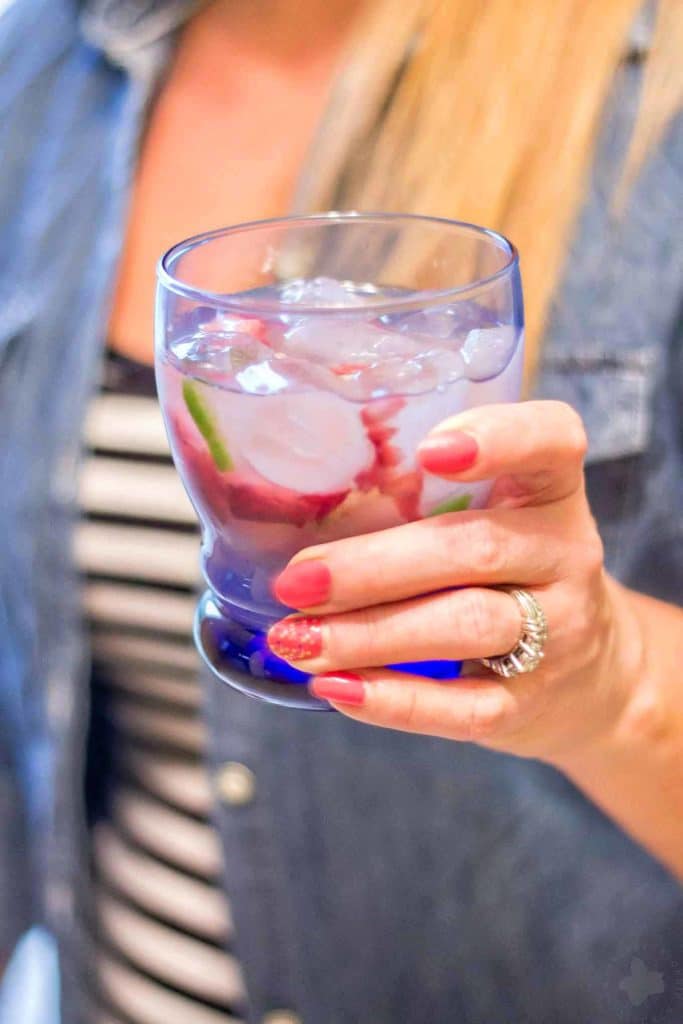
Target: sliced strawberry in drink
{"type": "Point", "coordinates": [345, 369]}
{"type": "Point", "coordinates": [205, 479]}
{"type": "Point", "coordinates": [404, 487]}
{"type": "Point", "coordinates": [244, 494]}
{"type": "Point", "coordinates": [379, 433]}
{"type": "Point", "coordinates": [367, 478]}
{"type": "Point", "coordinates": [389, 455]}
{"type": "Point", "coordinates": [257, 328]}
{"type": "Point", "coordinates": [312, 443]}
{"type": "Point", "coordinates": [259, 500]}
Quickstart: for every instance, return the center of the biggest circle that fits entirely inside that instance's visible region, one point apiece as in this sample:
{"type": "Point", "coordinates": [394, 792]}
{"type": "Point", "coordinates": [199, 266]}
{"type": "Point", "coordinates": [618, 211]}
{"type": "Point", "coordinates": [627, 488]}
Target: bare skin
{"type": "Point", "coordinates": [227, 136]}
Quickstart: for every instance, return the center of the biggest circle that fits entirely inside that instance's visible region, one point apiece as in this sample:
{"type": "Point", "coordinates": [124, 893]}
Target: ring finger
{"type": "Point", "coordinates": [458, 624]}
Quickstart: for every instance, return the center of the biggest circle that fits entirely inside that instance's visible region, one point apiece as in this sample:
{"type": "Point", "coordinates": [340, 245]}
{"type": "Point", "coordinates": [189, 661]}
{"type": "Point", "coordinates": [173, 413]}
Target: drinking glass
{"type": "Point", "coordinates": [300, 361]}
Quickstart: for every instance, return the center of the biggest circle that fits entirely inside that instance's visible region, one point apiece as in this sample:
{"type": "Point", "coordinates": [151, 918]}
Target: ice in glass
{"type": "Point", "coordinates": [295, 406]}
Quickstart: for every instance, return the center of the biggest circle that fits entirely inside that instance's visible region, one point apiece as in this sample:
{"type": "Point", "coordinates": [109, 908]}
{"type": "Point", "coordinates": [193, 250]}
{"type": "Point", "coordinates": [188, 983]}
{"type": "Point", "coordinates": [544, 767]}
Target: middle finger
{"type": "Point", "coordinates": [458, 624]}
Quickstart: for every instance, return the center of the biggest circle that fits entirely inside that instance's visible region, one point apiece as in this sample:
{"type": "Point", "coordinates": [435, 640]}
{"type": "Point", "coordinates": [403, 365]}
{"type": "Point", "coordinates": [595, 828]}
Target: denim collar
{"type": "Point", "coordinates": [132, 33]}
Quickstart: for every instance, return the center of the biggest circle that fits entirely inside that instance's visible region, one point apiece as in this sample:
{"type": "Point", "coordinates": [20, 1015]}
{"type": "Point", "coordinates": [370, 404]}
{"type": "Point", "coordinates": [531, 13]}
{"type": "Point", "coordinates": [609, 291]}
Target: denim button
{"type": "Point", "coordinates": [281, 1017]}
{"type": "Point", "coordinates": [236, 785]}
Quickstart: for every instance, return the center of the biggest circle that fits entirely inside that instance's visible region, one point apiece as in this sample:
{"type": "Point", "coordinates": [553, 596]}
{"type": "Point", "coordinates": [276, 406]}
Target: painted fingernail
{"type": "Point", "coordinates": [303, 584]}
{"type": "Point", "coordinates": [296, 639]}
{"type": "Point", "coordinates": [449, 452]}
{"type": "Point", "coordinates": [339, 687]}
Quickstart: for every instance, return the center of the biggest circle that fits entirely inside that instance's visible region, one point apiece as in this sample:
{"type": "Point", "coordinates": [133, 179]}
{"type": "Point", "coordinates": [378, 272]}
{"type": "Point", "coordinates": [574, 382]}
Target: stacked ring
{"type": "Point", "coordinates": [527, 654]}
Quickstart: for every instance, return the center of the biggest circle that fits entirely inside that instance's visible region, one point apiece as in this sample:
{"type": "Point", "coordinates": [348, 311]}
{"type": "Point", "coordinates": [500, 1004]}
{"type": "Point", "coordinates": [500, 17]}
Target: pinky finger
{"type": "Point", "coordinates": [472, 709]}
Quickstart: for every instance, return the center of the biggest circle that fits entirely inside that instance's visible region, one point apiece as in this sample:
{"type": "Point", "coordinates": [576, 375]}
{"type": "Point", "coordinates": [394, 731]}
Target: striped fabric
{"type": "Point", "coordinates": [162, 927]}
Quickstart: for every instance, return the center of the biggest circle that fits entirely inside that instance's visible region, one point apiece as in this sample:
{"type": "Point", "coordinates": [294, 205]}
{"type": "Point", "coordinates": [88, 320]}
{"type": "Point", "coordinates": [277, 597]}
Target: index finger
{"type": "Point", "coordinates": [477, 548]}
{"type": "Point", "coordinates": [537, 448]}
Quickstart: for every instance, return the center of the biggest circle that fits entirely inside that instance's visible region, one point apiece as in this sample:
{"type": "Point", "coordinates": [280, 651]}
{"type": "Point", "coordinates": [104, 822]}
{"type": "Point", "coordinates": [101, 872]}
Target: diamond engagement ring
{"type": "Point", "coordinates": [527, 653]}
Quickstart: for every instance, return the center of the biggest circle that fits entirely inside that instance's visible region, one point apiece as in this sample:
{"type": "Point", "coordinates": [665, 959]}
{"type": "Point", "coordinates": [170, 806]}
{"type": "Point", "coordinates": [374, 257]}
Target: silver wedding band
{"type": "Point", "coordinates": [527, 653]}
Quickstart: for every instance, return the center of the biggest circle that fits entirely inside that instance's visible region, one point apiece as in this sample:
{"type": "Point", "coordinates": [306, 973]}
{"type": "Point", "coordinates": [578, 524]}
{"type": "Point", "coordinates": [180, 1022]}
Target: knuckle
{"type": "Point", "coordinates": [406, 710]}
{"type": "Point", "coordinates": [487, 716]}
{"type": "Point", "coordinates": [585, 556]}
{"type": "Point", "coordinates": [574, 433]}
{"type": "Point", "coordinates": [484, 548]}
{"type": "Point", "coordinates": [358, 638]}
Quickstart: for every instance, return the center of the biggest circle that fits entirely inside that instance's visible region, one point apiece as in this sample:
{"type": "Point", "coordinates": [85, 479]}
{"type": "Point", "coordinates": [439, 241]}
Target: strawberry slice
{"type": "Point", "coordinates": [344, 369]}
{"type": "Point", "coordinates": [244, 494]}
{"type": "Point", "coordinates": [404, 487]}
{"type": "Point", "coordinates": [389, 455]}
{"type": "Point", "coordinates": [203, 476]}
{"type": "Point", "coordinates": [260, 500]}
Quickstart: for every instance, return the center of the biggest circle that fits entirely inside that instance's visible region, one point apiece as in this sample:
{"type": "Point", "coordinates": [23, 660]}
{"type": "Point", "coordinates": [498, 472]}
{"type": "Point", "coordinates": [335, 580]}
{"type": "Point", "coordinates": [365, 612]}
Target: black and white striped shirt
{"type": "Point", "coordinates": [162, 926]}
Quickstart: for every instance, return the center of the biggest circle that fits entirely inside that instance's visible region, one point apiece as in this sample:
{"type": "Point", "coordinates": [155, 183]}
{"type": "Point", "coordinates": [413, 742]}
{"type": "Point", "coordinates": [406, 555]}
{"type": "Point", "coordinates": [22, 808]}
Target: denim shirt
{"type": "Point", "coordinates": [374, 877]}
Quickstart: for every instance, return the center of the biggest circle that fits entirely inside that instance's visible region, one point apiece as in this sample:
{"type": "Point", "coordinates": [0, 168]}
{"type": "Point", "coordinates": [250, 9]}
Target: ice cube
{"type": "Point", "coordinates": [313, 443]}
{"type": "Point", "coordinates": [262, 378]}
{"type": "Point", "coordinates": [198, 348]}
{"type": "Point", "coordinates": [220, 354]}
{"type": "Point", "coordinates": [392, 345]}
{"type": "Point", "coordinates": [322, 291]}
{"type": "Point", "coordinates": [399, 376]}
{"type": "Point", "coordinates": [436, 323]}
{"type": "Point", "coordinates": [346, 342]}
{"type": "Point", "coordinates": [487, 351]}
{"type": "Point", "coordinates": [447, 363]}
{"type": "Point", "coordinates": [505, 387]}
{"type": "Point", "coordinates": [222, 323]}
{"type": "Point", "coordinates": [441, 322]}
{"type": "Point", "coordinates": [232, 360]}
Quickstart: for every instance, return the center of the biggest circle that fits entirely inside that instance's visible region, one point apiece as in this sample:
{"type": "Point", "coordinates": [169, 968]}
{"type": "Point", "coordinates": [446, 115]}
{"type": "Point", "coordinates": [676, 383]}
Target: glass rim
{"type": "Point", "coordinates": [238, 304]}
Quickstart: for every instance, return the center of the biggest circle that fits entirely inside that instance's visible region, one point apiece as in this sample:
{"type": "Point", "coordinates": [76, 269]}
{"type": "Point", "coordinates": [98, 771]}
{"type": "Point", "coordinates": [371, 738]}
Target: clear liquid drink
{"type": "Point", "coordinates": [295, 403]}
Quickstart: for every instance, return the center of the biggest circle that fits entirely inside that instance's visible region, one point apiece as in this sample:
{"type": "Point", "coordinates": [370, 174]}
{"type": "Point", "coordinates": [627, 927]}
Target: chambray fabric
{"type": "Point", "coordinates": [376, 877]}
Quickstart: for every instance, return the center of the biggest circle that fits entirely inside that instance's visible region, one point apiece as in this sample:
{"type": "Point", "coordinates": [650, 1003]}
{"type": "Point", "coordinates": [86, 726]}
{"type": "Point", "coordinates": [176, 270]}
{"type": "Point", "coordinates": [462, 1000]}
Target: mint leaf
{"type": "Point", "coordinates": [459, 504]}
{"type": "Point", "coordinates": [204, 422]}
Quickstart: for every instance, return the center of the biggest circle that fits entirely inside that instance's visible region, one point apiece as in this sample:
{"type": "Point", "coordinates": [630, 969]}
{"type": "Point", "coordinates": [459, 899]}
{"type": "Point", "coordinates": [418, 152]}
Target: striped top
{"type": "Point", "coordinates": [161, 924]}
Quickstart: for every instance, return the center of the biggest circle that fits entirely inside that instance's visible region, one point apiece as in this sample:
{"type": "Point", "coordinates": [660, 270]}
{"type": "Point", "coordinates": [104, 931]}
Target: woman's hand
{"type": "Point", "coordinates": [425, 591]}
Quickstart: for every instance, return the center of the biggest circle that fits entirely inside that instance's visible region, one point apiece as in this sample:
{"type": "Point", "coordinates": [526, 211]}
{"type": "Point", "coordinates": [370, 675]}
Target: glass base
{"type": "Point", "coordinates": [240, 657]}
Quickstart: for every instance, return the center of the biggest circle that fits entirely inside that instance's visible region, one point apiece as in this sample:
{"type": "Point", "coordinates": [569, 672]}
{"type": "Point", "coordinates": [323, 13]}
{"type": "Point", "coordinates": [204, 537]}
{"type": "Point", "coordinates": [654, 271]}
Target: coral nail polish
{"type": "Point", "coordinates": [304, 584]}
{"type": "Point", "coordinates": [449, 452]}
{"type": "Point", "coordinates": [296, 639]}
{"type": "Point", "coordinates": [339, 687]}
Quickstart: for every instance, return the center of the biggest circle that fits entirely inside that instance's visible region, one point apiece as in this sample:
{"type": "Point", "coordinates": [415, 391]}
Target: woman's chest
{"type": "Point", "coordinates": [212, 155]}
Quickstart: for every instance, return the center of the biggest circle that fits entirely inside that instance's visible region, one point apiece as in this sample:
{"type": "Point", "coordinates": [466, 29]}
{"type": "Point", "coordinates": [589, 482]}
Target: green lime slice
{"type": "Point", "coordinates": [459, 504]}
{"type": "Point", "coordinates": [204, 422]}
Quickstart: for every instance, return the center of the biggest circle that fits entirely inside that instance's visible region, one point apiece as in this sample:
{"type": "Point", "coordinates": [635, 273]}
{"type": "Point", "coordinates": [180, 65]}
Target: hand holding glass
{"type": "Point", "coordinates": [299, 364]}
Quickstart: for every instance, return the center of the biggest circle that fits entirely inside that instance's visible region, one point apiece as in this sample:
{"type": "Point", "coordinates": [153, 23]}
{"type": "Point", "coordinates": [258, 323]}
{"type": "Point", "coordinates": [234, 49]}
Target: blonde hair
{"type": "Point", "coordinates": [487, 112]}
